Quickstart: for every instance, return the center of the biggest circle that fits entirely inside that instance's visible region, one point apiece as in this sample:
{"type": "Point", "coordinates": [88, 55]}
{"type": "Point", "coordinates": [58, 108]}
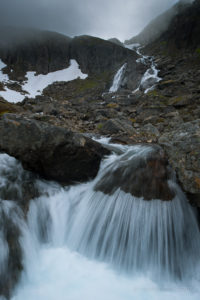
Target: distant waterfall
{"type": "Point", "coordinates": [117, 79]}
{"type": "Point", "coordinates": [150, 77]}
{"type": "Point", "coordinates": [78, 243]}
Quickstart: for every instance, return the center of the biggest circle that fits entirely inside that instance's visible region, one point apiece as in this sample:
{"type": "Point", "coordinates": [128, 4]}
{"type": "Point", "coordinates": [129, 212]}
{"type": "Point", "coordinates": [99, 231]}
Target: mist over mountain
{"type": "Point", "coordinates": [105, 19]}
{"type": "Point", "coordinates": [159, 24]}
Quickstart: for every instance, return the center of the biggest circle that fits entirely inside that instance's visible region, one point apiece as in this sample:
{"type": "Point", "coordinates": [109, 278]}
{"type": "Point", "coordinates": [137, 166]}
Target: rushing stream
{"type": "Point", "coordinates": [81, 244]}
{"type": "Point", "coordinates": [150, 77]}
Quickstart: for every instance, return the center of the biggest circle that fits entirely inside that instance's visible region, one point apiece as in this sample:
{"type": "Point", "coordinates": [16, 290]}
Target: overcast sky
{"type": "Point", "coordinates": [104, 18]}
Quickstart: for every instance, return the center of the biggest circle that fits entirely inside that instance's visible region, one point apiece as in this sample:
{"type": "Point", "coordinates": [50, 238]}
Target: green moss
{"type": "Point", "coordinates": [86, 84]}
{"type": "Point", "coordinates": [155, 93]}
{"type": "Point", "coordinates": [132, 120]}
{"type": "Point", "coordinates": [91, 83]}
{"type": "Point", "coordinates": [160, 120]}
{"type": "Point", "coordinates": [99, 126]}
{"type": "Point", "coordinates": [112, 105]}
{"type": "Point", "coordinates": [198, 51]}
{"type": "Point", "coordinates": [163, 43]}
{"type": "Point", "coordinates": [4, 112]}
{"type": "Point", "coordinates": [175, 100]}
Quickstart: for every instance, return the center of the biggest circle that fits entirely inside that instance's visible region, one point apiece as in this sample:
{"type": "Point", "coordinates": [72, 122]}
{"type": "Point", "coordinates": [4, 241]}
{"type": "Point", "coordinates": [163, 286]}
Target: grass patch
{"type": "Point", "coordinates": [112, 105]}
{"type": "Point", "coordinates": [132, 120]}
{"type": "Point", "coordinates": [99, 126]}
{"type": "Point", "coordinates": [198, 51]}
{"type": "Point", "coordinates": [4, 112]}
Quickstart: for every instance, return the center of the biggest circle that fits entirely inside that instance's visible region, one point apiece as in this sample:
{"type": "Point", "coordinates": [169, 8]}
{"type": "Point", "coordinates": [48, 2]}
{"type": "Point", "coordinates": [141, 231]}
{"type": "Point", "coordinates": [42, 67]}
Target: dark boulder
{"type": "Point", "coordinates": [53, 152]}
{"type": "Point", "coordinates": [10, 234]}
{"type": "Point", "coordinates": [143, 172]}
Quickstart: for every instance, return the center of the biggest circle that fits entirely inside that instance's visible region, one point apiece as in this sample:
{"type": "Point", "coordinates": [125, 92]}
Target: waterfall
{"type": "Point", "coordinates": [80, 243]}
{"type": "Point", "coordinates": [117, 79]}
{"type": "Point", "coordinates": [150, 77]}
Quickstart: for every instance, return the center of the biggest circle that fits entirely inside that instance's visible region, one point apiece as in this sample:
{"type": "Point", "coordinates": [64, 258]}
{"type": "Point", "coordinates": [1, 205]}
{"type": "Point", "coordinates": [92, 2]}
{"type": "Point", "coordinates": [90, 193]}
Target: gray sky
{"type": "Point", "coordinates": [104, 18]}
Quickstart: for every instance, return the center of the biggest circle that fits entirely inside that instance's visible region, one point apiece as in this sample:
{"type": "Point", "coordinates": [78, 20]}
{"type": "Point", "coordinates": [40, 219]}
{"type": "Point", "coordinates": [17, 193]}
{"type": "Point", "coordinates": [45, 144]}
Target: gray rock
{"type": "Point", "coordinates": [183, 148]}
{"type": "Point", "coordinates": [115, 126]}
{"type": "Point", "coordinates": [53, 152]}
{"type": "Point", "coordinates": [142, 176]}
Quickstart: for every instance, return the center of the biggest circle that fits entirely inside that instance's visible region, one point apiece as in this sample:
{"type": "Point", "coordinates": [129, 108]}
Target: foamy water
{"type": "Point", "coordinates": [78, 243]}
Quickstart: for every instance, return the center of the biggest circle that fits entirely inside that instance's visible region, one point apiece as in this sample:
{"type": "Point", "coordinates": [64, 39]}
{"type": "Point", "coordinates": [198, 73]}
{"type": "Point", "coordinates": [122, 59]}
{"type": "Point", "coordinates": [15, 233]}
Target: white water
{"type": "Point", "coordinates": [117, 79]}
{"type": "Point", "coordinates": [35, 84]}
{"type": "Point", "coordinates": [81, 244]}
{"type": "Point", "coordinates": [150, 77]}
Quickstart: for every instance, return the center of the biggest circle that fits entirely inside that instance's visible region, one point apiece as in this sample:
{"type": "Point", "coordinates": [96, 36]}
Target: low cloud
{"type": "Point", "coordinates": [103, 18]}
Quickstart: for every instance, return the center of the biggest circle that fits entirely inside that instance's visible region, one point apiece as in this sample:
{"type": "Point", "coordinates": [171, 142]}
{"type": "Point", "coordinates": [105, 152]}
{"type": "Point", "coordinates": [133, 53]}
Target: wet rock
{"type": "Point", "coordinates": [10, 233]}
{"type": "Point", "coordinates": [54, 153]}
{"type": "Point", "coordinates": [183, 149]}
{"type": "Point", "coordinates": [144, 175]}
{"type": "Point", "coordinates": [6, 107]}
{"type": "Point", "coordinates": [16, 184]}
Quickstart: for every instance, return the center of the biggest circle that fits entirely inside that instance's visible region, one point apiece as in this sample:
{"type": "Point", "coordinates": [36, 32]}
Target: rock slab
{"type": "Point", "coordinates": [53, 152]}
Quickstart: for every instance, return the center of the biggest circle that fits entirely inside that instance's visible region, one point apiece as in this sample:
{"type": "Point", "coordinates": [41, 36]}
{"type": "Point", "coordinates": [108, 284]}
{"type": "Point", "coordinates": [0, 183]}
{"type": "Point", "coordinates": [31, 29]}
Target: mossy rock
{"type": "Point", "coordinates": [133, 120]}
{"type": "Point", "coordinates": [179, 101]}
{"type": "Point", "coordinates": [99, 126]}
{"type": "Point", "coordinates": [6, 107]}
{"type": "Point", "coordinates": [112, 105]}
{"type": "Point", "coordinates": [198, 51]}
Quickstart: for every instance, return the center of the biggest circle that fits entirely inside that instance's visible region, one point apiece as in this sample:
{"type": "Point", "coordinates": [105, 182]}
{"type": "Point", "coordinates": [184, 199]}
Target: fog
{"type": "Point", "coordinates": [103, 18]}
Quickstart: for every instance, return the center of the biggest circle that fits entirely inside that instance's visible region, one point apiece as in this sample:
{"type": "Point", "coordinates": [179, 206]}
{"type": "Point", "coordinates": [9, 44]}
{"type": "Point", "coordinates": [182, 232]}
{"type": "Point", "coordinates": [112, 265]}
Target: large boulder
{"type": "Point", "coordinates": [143, 172]}
{"type": "Point", "coordinates": [53, 152]}
{"type": "Point", "coordinates": [183, 148]}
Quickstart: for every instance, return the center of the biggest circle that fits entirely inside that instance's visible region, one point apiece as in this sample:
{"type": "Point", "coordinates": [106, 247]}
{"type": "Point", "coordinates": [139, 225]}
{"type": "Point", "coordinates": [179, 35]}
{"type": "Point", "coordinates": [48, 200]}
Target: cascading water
{"type": "Point", "coordinates": [80, 243]}
{"type": "Point", "coordinates": [117, 79]}
{"type": "Point", "coordinates": [150, 77]}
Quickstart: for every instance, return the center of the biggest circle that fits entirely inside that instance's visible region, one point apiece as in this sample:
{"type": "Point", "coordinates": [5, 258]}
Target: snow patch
{"type": "Point", "coordinates": [37, 83]}
{"type": "Point", "coordinates": [12, 96]}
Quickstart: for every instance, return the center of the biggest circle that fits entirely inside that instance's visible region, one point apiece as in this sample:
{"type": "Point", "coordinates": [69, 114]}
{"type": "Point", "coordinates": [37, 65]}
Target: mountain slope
{"type": "Point", "coordinates": [44, 52]}
{"type": "Point", "coordinates": [158, 25]}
